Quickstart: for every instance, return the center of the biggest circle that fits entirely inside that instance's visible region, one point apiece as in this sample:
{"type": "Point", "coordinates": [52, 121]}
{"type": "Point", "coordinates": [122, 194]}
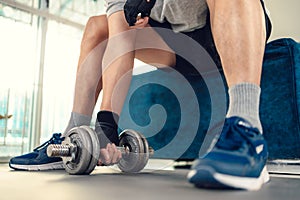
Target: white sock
{"type": "Point", "coordinates": [76, 120]}
{"type": "Point", "coordinates": [244, 102]}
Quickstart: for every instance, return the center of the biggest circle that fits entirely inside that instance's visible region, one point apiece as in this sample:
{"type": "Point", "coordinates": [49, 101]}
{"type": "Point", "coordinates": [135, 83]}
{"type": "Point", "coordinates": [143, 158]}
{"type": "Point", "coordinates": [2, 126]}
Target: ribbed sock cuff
{"type": "Point", "coordinates": [76, 120]}
{"type": "Point", "coordinates": [244, 101]}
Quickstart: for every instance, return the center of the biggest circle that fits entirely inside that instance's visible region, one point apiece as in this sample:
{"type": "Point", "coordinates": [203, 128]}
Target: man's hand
{"type": "Point", "coordinates": [140, 23]}
{"type": "Point", "coordinates": [109, 155]}
{"type": "Point", "coordinates": [134, 7]}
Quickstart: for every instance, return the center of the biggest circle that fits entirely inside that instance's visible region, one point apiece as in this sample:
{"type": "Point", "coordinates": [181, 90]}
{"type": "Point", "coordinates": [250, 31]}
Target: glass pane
{"type": "Point", "coordinates": [17, 65]}
{"type": "Point", "coordinates": [26, 2]}
{"type": "Point", "coordinates": [15, 14]}
{"type": "Point", "coordinates": [76, 10]}
{"type": "Point", "coordinates": [62, 52]}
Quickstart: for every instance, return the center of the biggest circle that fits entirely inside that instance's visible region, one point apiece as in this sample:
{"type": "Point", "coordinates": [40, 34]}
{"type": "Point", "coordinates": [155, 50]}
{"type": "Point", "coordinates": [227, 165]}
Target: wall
{"type": "Point", "coordinates": [285, 17]}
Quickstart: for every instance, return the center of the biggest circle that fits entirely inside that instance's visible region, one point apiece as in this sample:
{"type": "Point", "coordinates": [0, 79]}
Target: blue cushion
{"type": "Point", "coordinates": [280, 98]}
{"type": "Point", "coordinates": [161, 106]}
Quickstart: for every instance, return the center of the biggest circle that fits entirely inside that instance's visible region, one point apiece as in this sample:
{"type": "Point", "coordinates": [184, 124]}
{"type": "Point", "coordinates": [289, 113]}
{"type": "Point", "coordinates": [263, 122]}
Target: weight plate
{"type": "Point", "coordinates": [138, 148]}
{"type": "Point", "coordinates": [81, 138]}
{"type": "Point", "coordinates": [96, 149]}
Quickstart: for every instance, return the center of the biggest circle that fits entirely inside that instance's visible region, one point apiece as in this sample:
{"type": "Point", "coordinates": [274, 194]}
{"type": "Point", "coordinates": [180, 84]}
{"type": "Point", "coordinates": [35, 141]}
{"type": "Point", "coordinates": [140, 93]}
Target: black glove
{"type": "Point", "coordinates": [107, 128]}
{"type": "Point", "coordinates": [107, 133]}
{"type": "Point", "coordinates": [133, 7]}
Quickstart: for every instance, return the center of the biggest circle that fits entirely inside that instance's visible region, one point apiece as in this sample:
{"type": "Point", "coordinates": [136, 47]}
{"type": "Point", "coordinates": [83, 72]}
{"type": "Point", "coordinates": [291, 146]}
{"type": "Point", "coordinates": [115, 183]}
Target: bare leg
{"type": "Point", "coordinates": [88, 80]}
{"type": "Point", "coordinates": [239, 33]}
{"type": "Point", "coordinates": [238, 28]}
{"type": "Point", "coordinates": [118, 61]}
{"type": "Point", "coordinates": [89, 73]}
{"type": "Point", "coordinates": [234, 161]}
{"type": "Point", "coordinates": [92, 49]}
{"type": "Point", "coordinates": [118, 69]}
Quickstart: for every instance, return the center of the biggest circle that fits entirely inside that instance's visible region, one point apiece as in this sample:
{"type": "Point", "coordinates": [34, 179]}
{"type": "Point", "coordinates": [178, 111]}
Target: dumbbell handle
{"type": "Point", "coordinates": [59, 150]}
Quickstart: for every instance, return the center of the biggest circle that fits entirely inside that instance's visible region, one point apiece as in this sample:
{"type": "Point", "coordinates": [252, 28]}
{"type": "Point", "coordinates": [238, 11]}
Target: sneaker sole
{"type": "Point", "coordinates": [43, 167]}
{"type": "Point", "coordinates": [207, 177]}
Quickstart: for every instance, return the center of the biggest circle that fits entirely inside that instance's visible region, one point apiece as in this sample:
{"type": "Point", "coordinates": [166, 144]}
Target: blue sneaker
{"type": "Point", "coordinates": [236, 161]}
{"type": "Point", "coordinates": [38, 159]}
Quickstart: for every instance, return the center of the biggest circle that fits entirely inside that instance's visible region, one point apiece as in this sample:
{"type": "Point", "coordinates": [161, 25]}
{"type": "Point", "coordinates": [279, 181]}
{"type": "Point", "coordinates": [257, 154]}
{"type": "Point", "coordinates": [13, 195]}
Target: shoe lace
{"type": "Point", "coordinates": [55, 139]}
{"type": "Point", "coordinates": [234, 136]}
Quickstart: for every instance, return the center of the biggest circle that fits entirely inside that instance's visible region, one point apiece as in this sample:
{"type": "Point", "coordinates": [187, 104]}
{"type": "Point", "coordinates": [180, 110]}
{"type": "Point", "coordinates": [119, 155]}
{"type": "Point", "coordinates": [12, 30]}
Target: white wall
{"type": "Point", "coordinates": [285, 16]}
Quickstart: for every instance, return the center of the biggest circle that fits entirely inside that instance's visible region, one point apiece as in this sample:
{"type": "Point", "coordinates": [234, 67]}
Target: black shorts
{"type": "Point", "coordinates": [204, 37]}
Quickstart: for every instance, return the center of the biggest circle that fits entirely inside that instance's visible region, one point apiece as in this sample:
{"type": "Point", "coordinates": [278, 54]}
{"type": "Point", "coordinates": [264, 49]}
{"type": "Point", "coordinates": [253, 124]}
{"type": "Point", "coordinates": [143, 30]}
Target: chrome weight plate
{"type": "Point", "coordinates": [96, 149]}
{"type": "Point", "coordinates": [136, 153]}
{"type": "Point", "coordinates": [79, 163]}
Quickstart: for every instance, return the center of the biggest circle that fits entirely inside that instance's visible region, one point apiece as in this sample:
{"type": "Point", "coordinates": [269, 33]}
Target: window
{"type": "Point", "coordinates": [38, 68]}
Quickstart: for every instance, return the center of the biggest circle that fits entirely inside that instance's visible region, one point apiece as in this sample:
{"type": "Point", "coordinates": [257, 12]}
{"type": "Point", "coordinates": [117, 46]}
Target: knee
{"type": "Point", "coordinates": [96, 29]}
{"type": "Point", "coordinates": [232, 3]}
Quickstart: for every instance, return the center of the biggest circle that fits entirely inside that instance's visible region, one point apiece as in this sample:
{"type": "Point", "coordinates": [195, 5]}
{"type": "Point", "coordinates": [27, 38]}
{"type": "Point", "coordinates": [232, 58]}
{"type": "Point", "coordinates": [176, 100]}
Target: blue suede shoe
{"type": "Point", "coordinates": [236, 161]}
{"type": "Point", "coordinates": [38, 159]}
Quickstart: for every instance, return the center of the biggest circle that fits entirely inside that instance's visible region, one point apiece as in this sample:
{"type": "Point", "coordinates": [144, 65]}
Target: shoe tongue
{"type": "Point", "coordinates": [56, 139]}
{"type": "Point", "coordinates": [244, 123]}
{"type": "Point", "coordinates": [232, 139]}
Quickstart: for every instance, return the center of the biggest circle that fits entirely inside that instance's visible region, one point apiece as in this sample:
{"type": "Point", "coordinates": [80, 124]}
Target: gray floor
{"type": "Point", "coordinates": [108, 183]}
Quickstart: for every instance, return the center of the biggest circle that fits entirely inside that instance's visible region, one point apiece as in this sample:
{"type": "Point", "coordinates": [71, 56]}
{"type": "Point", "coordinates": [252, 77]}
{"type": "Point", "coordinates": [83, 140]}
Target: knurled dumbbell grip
{"type": "Point", "coordinates": [59, 150]}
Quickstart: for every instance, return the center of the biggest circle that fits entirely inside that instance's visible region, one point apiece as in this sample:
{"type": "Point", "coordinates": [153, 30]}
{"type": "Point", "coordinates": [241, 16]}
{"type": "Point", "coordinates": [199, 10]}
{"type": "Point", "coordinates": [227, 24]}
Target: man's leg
{"type": "Point", "coordinates": [239, 33]}
{"type": "Point", "coordinates": [239, 156]}
{"type": "Point", "coordinates": [90, 73]}
{"type": "Point", "coordinates": [117, 74]}
{"type": "Point", "coordinates": [88, 79]}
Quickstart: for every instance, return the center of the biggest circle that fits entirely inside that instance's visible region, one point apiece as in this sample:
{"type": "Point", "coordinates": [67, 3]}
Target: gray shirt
{"type": "Point", "coordinates": [183, 15]}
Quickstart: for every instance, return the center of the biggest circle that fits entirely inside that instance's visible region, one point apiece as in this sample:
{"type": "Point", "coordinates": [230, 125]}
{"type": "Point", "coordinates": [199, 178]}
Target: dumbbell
{"type": "Point", "coordinates": [80, 151]}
